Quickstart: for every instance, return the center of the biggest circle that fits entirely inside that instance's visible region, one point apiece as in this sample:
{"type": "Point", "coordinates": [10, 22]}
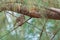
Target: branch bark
{"type": "Point", "coordinates": [51, 13]}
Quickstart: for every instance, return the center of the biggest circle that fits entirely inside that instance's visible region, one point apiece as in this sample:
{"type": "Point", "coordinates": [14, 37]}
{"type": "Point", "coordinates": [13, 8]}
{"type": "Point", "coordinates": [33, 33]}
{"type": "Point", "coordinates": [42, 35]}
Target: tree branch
{"type": "Point", "coordinates": [51, 13]}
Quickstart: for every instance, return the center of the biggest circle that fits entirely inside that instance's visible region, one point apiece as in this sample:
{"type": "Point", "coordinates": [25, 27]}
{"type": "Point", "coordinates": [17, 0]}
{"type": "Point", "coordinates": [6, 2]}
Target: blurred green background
{"type": "Point", "coordinates": [33, 29]}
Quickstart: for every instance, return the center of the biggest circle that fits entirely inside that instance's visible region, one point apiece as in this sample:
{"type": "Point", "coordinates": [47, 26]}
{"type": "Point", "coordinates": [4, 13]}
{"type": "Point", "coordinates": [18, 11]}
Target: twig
{"type": "Point", "coordinates": [27, 22]}
{"type": "Point", "coordinates": [12, 14]}
{"type": "Point", "coordinates": [42, 31]}
{"type": "Point", "coordinates": [13, 29]}
{"type": "Point", "coordinates": [34, 26]}
{"type": "Point", "coordinates": [55, 33]}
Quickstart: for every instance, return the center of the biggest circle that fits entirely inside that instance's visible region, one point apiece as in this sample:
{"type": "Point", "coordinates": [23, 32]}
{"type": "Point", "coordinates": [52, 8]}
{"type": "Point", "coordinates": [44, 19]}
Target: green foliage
{"type": "Point", "coordinates": [30, 30]}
